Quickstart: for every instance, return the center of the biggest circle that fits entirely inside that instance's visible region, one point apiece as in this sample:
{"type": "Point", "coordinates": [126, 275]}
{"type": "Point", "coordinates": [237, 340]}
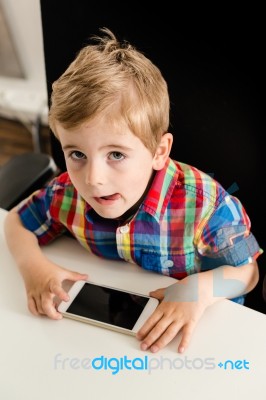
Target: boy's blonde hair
{"type": "Point", "coordinates": [116, 81]}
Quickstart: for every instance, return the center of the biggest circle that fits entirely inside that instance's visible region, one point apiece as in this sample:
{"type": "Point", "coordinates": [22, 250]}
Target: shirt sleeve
{"type": "Point", "coordinates": [226, 238]}
{"type": "Point", "coordinates": [35, 215]}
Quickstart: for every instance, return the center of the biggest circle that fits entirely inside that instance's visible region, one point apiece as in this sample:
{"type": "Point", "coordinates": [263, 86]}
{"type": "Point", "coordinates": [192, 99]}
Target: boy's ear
{"type": "Point", "coordinates": [162, 151]}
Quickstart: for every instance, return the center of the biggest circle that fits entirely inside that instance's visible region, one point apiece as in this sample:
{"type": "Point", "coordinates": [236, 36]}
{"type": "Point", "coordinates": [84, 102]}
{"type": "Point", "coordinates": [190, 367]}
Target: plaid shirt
{"type": "Point", "coordinates": [187, 223]}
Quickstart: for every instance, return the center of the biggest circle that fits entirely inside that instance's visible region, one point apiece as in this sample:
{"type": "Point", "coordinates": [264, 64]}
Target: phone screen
{"type": "Point", "coordinates": [108, 305]}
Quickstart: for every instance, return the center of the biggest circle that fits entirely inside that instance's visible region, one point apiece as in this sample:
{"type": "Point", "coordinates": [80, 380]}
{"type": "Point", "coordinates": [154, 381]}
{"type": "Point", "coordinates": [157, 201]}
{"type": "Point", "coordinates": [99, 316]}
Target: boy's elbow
{"type": "Point", "coordinates": [11, 217]}
{"type": "Point", "coordinates": [254, 275]}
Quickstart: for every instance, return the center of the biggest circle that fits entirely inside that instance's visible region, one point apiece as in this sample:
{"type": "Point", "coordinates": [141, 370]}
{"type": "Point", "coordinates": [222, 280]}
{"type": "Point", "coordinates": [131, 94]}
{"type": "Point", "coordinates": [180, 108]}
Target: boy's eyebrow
{"type": "Point", "coordinates": [117, 146]}
{"type": "Point", "coordinates": [69, 146]}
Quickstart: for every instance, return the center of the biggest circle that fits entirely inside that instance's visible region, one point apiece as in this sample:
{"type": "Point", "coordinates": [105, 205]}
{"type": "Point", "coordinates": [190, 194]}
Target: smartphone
{"type": "Point", "coordinates": [108, 307]}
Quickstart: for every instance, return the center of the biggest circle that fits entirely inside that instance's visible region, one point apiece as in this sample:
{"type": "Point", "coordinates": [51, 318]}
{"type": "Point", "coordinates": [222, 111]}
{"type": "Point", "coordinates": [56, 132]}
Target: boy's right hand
{"type": "Point", "coordinates": [44, 280]}
{"type": "Point", "coordinates": [44, 287]}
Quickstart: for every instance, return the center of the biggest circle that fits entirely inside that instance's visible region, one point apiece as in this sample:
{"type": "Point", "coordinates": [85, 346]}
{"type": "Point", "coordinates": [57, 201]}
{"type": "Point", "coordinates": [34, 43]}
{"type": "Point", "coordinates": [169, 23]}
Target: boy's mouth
{"type": "Point", "coordinates": [114, 196]}
{"type": "Point", "coordinates": [111, 198]}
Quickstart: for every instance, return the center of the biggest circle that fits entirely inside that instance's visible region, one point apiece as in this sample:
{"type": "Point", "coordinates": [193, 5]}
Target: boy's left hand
{"type": "Point", "coordinates": [168, 320]}
{"type": "Point", "coordinates": [184, 302]}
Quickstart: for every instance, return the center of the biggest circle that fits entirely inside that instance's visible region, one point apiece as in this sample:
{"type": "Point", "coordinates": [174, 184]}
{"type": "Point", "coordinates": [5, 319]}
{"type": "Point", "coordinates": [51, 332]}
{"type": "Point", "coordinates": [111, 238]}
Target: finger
{"type": "Point", "coordinates": [68, 283]}
{"type": "Point", "coordinates": [38, 303]}
{"type": "Point", "coordinates": [187, 333]}
{"type": "Point", "coordinates": [76, 276]}
{"type": "Point", "coordinates": [57, 288]}
{"type": "Point", "coordinates": [168, 335]}
{"type": "Point", "coordinates": [149, 324]}
{"type": "Point", "coordinates": [58, 291]}
{"type": "Point", "coordinates": [32, 306]}
{"type": "Point", "coordinates": [158, 336]}
{"type": "Point", "coordinates": [49, 308]}
{"type": "Point", "coordinates": [158, 294]}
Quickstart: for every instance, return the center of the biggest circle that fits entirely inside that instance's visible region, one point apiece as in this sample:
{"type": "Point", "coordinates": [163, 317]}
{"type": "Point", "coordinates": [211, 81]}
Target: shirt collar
{"type": "Point", "coordinates": [161, 190]}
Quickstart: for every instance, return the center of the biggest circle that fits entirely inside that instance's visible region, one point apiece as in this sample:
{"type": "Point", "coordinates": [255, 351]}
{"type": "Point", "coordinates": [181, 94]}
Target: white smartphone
{"type": "Point", "coordinates": [108, 307]}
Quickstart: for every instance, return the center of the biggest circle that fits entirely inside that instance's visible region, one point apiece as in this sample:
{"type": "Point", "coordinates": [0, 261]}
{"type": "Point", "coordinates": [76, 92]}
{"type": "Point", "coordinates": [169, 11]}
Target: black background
{"type": "Point", "coordinates": [213, 62]}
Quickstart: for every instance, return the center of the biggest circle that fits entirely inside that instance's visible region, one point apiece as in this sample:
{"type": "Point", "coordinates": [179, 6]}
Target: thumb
{"type": "Point", "coordinates": [72, 277]}
{"type": "Point", "coordinates": [158, 294]}
{"type": "Point", "coordinates": [76, 276]}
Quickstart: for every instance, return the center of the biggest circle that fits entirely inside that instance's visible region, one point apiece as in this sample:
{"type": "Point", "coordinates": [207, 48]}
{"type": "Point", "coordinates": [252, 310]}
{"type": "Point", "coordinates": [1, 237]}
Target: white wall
{"type": "Point", "coordinates": [29, 94]}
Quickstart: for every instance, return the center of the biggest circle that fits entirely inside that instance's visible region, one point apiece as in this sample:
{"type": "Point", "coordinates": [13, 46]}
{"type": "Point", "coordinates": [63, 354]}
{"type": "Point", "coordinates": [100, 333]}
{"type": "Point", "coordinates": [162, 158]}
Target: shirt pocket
{"type": "Point", "coordinates": [176, 265]}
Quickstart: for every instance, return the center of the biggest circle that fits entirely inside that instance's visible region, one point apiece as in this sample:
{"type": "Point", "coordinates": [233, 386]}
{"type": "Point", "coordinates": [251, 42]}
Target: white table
{"type": "Point", "coordinates": [45, 359]}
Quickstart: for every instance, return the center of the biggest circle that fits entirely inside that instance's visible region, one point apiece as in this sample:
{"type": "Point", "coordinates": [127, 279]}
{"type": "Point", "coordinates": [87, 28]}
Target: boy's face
{"type": "Point", "coordinates": [110, 168]}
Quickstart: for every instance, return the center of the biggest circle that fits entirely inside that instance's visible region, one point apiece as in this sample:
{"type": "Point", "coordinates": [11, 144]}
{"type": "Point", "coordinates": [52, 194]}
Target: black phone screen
{"type": "Point", "coordinates": [108, 305]}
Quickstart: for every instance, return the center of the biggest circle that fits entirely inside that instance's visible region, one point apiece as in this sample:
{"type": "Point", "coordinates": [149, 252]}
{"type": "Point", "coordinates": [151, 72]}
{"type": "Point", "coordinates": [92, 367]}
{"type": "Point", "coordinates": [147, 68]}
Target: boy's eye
{"type": "Point", "coordinates": [77, 155]}
{"type": "Point", "coordinates": [116, 156]}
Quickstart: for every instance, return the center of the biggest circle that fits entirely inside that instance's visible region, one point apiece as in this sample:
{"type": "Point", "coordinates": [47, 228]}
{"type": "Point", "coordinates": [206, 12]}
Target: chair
{"type": "Point", "coordinates": [23, 174]}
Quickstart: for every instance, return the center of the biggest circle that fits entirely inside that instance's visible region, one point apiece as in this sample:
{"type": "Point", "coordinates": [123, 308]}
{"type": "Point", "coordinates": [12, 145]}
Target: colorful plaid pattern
{"type": "Point", "coordinates": [187, 223]}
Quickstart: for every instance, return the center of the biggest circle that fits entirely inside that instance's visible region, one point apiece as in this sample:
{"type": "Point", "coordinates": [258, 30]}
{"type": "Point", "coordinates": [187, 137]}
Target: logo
{"type": "Point", "coordinates": [145, 364]}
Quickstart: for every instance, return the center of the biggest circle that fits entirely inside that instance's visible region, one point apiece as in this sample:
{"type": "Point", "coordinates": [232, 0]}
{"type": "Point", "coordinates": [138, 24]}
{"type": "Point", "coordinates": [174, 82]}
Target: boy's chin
{"type": "Point", "coordinates": [120, 213]}
{"type": "Point", "coordinates": [109, 214]}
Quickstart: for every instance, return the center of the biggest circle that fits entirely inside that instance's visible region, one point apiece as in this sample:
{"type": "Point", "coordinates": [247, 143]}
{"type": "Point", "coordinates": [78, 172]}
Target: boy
{"type": "Point", "coordinates": [122, 197]}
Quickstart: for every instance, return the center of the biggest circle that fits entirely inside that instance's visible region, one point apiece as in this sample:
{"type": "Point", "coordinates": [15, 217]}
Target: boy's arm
{"type": "Point", "coordinates": [43, 279]}
{"type": "Point", "coordinates": [184, 302]}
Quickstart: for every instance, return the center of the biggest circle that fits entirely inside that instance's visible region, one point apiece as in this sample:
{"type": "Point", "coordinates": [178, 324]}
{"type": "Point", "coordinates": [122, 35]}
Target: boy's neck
{"type": "Point", "coordinates": [129, 214]}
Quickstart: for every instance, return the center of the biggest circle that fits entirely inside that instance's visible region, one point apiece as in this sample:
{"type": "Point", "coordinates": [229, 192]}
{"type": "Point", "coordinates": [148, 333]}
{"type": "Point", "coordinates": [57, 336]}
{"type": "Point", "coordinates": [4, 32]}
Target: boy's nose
{"type": "Point", "coordinates": [94, 174]}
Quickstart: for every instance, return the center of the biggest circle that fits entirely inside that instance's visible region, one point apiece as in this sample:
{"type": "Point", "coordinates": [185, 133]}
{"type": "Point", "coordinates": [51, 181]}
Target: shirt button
{"type": "Point", "coordinates": [227, 199]}
{"type": "Point", "coordinates": [168, 263]}
{"type": "Point", "coordinates": [124, 229]}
